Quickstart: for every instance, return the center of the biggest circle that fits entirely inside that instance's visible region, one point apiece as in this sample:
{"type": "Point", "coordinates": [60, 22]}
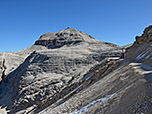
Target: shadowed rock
{"type": "Point", "coordinates": [67, 37]}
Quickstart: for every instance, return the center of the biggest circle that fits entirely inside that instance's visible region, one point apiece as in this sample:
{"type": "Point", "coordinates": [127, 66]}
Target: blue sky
{"type": "Point", "coordinates": [116, 21]}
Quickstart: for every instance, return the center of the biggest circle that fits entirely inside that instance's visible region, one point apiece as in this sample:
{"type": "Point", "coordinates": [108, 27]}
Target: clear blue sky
{"type": "Point", "coordinates": [116, 21]}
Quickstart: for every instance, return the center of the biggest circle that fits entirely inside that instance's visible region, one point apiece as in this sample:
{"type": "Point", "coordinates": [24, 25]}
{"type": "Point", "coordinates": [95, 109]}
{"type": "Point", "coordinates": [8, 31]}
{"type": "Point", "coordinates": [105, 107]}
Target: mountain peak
{"type": "Point", "coordinates": [69, 28]}
{"type": "Point", "coordinates": [68, 36]}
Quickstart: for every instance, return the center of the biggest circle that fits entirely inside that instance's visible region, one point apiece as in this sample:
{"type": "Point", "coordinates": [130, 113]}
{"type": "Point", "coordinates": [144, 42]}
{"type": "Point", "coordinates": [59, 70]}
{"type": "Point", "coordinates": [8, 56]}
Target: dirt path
{"type": "Point", "coordinates": [138, 67]}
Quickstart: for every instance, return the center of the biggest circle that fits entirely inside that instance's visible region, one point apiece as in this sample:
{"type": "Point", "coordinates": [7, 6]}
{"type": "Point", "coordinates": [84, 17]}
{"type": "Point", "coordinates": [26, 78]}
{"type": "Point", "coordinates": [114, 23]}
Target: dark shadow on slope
{"type": "Point", "coordinates": [15, 77]}
{"type": "Point", "coordinates": [7, 87]}
{"type": "Point", "coordinates": [56, 44]}
{"type": "Point", "coordinates": [148, 77]}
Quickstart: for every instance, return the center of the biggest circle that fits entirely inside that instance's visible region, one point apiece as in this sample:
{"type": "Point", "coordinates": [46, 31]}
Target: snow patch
{"type": "Point", "coordinates": [85, 108]}
{"type": "Point", "coordinates": [142, 55]}
{"type": "Point", "coordinates": [88, 78]}
{"type": "Point", "coordinates": [148, 56]}
{"type": "Point", "coordinates": [89, 75]}
{"type": "Point", "coordinates": [78, 90]}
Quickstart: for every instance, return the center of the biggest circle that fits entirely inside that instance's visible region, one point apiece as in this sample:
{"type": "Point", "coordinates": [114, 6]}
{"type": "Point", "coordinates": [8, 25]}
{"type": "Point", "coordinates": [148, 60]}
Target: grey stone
{"type": "Point", "coordinates": [44, 73]}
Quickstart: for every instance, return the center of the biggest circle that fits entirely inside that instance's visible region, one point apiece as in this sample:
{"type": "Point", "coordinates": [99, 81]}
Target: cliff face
{"type": "Point", "coordinates": [67, 37]}
{"type": "Point", "coordinates": [146, 36]}
{"type": "Point", "coordinates": [11, 60]}
{"type": "Point", "coordinates": [141, 50]}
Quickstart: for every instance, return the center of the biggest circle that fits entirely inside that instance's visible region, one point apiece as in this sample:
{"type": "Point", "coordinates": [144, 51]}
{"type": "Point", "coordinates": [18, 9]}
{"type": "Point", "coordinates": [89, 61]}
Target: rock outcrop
{"type": "Point", "coordinates": [141, 50]}
{"type": "Point", "coordinates": [11, 60]}
{"type": "Point", "coordinates": [146, 36]}
{"type": "Point", "coordinates": [114, 86]}
{"type": "Point", "coordinates": [67, 37]}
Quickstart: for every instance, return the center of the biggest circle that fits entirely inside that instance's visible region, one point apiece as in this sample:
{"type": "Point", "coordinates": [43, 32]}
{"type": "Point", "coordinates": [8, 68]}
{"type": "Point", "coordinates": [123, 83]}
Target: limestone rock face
{"type": "Point", "coordinates": [114, 86]}
{"type": "Point", "coordinates": [11, 60]}
{"type": "Point", "coordinates": [48, 75]}
{"type": "Point", "coordinates": [50, 70]}
{"type": "Point", "coordinates": [68, 36]}
{"type": "Point", "coordinates": [8, 63]}
{"type": "Point", "coordinates": [146, 36]}
{"type": "Point", "coordinates": [141, 50]}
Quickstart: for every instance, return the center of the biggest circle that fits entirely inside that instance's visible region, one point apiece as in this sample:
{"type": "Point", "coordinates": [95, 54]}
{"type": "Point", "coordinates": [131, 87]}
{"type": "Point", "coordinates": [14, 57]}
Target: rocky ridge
{"type": "Point", "coordinates": [141, 50]}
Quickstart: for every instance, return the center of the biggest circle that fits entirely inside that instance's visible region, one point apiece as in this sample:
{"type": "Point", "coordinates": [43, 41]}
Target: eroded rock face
{"type": "Point", "coordinates": [146, 36]}
{"type": "Point", "coordinates": [48, 75]}
{"type": "Point", "coordinates": [8, 63]}
{"type": "Point", "coordinates": [11, 60]}
{"type": "Point", "coordinates": [141, 50]}
{"type": "Point", "coordinates": [51, 70]}
{"type": "Point", "coordinates": [120, 89]}
{"type": "Point", "coordinates": [68, 36]}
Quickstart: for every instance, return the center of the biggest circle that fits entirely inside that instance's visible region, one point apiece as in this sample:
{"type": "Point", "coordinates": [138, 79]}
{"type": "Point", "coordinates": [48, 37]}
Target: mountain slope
{"type": "Point", "coordinates": [53, 67]}
{"type": "Point", "coordinates": [123, 88]}
{"type": "Point", "coordinates": [71, 72]}
{"type": "Point", "coordinates": [114, 86]}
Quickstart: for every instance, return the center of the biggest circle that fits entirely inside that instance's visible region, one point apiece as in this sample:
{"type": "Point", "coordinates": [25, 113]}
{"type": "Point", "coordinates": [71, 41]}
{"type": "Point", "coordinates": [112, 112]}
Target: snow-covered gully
{"type": "Point", "coordinates": [85, 108]}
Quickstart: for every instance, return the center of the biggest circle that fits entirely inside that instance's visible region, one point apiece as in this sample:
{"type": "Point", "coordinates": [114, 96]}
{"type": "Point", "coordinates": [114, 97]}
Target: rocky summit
{"type": "Point", "coordinates": [67, 37]}
{"type": "Point", "coordinates": [70, 72]}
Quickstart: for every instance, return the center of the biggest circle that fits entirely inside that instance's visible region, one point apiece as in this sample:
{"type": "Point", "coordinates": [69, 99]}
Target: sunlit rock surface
{"type": "Point", "coordinates": [141, 50]}
{"type": "Point", "coordinates": [49, 70]}
{"type": "Point", "coordinates": [70, 72]}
